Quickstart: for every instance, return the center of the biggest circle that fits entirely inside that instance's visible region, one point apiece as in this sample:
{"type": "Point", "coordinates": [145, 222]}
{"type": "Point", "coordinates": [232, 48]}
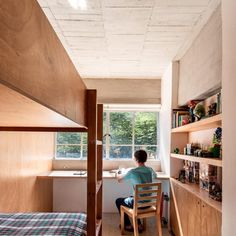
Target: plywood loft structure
{"type": "Point", "coordinates": [40, 90]}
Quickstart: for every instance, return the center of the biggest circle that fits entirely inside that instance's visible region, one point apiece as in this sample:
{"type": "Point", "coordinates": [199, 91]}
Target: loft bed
{"type": "Point", "coordinates": [19, 113]}
{"type": "Point", "coordinates": [41, 91]}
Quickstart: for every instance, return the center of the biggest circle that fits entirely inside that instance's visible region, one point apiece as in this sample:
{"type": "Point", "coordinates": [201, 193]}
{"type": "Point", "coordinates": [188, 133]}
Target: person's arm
{"type": "Point", "coordinates": [120, 177]}
{"type": "Point", "coordinates": [123, 176]}
{"type": "Point", "coordinates": [154, 174]}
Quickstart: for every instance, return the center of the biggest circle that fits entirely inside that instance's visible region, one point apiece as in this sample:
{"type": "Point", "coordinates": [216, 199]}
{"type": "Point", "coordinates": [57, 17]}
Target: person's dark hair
{"type": "Point", "coordinates": [140, 156]}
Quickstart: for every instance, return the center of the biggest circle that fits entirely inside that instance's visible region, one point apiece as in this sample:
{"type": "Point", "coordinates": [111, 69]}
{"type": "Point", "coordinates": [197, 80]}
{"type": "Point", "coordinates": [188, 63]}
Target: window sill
{"type": "Point", "coordinates": [108, 164]}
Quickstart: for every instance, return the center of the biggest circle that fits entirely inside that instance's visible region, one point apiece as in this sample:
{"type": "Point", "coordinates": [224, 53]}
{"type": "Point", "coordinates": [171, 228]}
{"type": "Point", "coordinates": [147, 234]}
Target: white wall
{"type": "Point", "coordinates": [165, 119]}
{"type": "Point", "coordinates": [201, 66]}
{"type": "Point", "coordinates": [70, 195]}
{"type": "Point", "coordinates": [229, 114]}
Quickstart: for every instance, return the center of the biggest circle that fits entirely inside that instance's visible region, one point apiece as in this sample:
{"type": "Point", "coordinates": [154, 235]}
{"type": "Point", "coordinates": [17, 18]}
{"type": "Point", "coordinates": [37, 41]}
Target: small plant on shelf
{"type": "Point", "coordinates": [199, 111]}
{"type": "Point", "coordinates": [217, 139]}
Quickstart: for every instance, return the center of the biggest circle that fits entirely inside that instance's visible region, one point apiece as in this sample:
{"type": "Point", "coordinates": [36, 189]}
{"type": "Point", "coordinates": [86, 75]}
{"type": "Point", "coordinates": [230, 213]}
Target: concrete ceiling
{"type": "Point", "coordinates": [132, 39]}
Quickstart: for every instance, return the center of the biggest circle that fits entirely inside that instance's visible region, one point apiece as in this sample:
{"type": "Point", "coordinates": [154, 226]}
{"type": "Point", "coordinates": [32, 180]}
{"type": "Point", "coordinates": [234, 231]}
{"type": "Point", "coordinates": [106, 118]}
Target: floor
{"type": "Point", "coordinates": [111, 223]}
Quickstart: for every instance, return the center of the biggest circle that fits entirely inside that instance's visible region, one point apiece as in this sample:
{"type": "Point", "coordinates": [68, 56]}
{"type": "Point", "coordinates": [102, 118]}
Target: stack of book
{"type": "Point", "coordinates": [180, 117]}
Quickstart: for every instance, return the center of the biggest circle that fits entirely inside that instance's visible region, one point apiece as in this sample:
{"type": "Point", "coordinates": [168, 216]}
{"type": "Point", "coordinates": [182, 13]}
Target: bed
{"type": "Point", "coordinates": [18, 224]}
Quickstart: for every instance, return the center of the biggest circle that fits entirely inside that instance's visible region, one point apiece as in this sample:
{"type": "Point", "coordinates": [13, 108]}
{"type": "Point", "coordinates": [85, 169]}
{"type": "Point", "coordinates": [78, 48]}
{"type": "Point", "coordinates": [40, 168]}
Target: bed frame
{"type": "Point", "coordinates": [41, 91]}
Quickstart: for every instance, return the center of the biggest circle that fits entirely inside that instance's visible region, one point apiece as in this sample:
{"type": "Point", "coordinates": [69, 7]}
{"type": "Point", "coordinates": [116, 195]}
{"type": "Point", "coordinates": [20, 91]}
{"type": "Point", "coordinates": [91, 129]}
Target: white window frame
{"type": "Point", "coordinates": [68, 144]}
{"type": "Point", "coordinates": [108, 145]}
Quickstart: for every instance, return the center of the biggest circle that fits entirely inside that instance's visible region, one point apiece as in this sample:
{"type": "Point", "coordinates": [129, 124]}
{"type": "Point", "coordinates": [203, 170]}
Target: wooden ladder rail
{"type": "Point", "coordinates": [94, 165]}
{"type": "Point", "coordinates": [99, 167]}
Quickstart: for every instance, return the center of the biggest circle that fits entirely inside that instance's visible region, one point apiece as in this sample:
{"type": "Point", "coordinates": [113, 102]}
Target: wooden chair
{"type": "Point", "coordinates": [147, 196]}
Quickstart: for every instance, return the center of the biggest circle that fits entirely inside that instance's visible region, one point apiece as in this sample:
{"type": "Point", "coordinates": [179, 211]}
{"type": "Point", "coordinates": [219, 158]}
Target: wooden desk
{"type": "Point", "coordinates": [72, 174]}
{"type": "Point", "coordinates": [65, 183]}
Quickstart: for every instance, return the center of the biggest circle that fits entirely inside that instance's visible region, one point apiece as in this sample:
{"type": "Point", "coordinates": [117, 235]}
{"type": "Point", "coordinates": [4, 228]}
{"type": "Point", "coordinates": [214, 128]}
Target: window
{"type": "Point", "coordinates": [124, 133]}
{"type": "Point", "coordinates": [71, 145]}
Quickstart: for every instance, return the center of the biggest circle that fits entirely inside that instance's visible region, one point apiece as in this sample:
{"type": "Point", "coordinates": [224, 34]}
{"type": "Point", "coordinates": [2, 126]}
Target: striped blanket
{"type": "Point", "coordinates": [67, 224]}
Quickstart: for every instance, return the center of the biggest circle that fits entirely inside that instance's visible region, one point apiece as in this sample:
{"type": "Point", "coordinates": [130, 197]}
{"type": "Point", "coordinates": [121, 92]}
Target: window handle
{"type": "Point", "coordinates": [107, 135]}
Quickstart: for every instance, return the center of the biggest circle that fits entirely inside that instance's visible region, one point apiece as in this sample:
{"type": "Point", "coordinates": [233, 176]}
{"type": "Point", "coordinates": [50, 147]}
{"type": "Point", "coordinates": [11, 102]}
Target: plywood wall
{"type": "Point", "coordinates": [34, 62]}
{"type": "Point", "coordinates": [200, 68]}
{"type": "Point", "coordinates": [22, 157]}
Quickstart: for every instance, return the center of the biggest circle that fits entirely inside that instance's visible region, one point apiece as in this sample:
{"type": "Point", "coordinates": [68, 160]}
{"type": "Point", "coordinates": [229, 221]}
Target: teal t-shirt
{"type": "Point", "coordinates": [140, 175]}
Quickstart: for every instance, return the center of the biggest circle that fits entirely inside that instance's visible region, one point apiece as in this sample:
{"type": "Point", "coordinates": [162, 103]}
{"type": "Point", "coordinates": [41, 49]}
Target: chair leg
{"type": "Point", "coordinates": [122, 220]}
{"type": "Point", "coordinates": [158, 222]}
{"type": "Point", "coordinates": [144, 224]}
{"type": "Point", "coordinates": [135, 225]}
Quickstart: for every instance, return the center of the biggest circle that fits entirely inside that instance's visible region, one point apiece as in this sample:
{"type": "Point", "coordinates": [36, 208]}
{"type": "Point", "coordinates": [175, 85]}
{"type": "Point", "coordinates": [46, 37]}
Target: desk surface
{"type": "Point", "coordinates": [79, 174]}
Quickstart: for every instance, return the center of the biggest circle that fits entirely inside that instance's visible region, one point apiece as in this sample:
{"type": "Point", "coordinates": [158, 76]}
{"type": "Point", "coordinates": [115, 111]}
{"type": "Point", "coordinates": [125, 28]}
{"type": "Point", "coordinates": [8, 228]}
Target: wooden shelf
{"type": "Point", "coordinates": [200, 193]}
{"type": "Point", "coordinates": [209, 160]}
{"type": "Point", "coordinates": [207, 123]}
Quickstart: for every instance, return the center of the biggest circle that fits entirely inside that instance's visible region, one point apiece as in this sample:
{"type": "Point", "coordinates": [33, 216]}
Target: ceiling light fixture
{"type": "Point", "coordinates": [78, 4]}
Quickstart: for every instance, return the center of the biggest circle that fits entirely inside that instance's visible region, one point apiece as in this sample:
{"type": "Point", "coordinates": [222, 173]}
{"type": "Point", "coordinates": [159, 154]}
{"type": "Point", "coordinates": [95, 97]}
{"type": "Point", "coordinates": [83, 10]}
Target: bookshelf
{"type": "Point", "coordinates": [189, 200]}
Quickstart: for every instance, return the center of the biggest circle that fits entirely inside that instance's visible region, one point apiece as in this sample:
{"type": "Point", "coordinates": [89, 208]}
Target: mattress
{"type": "Point", "coordinates": [68, 224]}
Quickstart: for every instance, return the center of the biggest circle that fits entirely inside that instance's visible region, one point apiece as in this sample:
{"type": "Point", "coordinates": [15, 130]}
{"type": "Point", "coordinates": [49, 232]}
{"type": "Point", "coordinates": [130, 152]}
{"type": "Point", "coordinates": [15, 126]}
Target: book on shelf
{"type": "Point", "coordinates": [180, 117]}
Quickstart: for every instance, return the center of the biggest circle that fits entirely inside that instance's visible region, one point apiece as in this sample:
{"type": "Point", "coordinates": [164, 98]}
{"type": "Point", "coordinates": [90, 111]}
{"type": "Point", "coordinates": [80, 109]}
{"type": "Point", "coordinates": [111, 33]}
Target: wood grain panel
{"type": "Point", "coordinates": [174, 217]}
{"type": "Point", "coordinates": [17, 110]}
{"type": "Point", "coordinates": [34, 62]}
{"type": "Point", "coordinates": [211, 220]}
{"type": "Point", "coordinates": [197, 218]}
{"type": "Point", "coordinates": [92, 163]}
{"type": "Point", "coordinates": [22, 157]}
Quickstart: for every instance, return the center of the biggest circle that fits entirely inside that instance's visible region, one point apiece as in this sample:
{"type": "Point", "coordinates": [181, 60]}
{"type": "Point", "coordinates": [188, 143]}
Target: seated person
{"type": "Point", "coordinates": [140, 175]}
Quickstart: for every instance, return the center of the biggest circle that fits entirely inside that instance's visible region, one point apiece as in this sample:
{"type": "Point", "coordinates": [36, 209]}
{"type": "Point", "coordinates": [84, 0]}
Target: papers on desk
{"type": "Point", "coordinates": [120, 171]}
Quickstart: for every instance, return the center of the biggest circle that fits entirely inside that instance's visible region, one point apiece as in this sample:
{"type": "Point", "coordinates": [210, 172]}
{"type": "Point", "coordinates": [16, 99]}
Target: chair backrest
{"type": "Point", "coordinates": [147, 195]}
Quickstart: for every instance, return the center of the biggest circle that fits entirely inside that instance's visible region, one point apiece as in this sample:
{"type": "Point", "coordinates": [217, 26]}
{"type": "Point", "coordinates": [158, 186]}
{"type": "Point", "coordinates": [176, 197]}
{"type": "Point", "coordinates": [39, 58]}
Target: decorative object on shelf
{"type": "Point", "coordinates": [189, 173]}
{"type": "Point", "coordinates": [191, 148]}
{"type": "Point", "coordinates": [191, 106]}
{"type": "Point", "coordinates": [199, 111]}
{"type": "Point", "coordinates": [185, 151]}
{"type": "Point", "coordinates": [176, 150]}
{"type": "Point", "coordinates": [217, 137]}
{"type": "Point", "coordinates": [208, 173]}
{"type": "Point", "coordinates": [212, 109]}
{"type": "Point", "coordinates": [182, 176]}
{"type": "Point", "coordinates": [206, 153]}
{"type": "Point", "coordinates": [215, 191]}
{"type": "Point", "coordinates": [197, 152]}
{"type": "Point", "coordinates": [219, 106]}
{"type": "Point", "coordinates": [196, 172]}
{"type": "Point", "coordinates": [202, 152]}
